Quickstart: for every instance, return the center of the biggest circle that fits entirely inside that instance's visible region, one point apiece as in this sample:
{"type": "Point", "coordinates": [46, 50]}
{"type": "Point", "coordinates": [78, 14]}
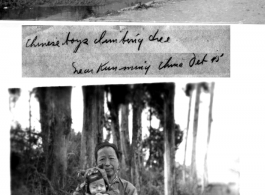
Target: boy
{"type": "Point", "coordinates": [107, 157]}
{"type": "Point", "coordinates": [96, 184]}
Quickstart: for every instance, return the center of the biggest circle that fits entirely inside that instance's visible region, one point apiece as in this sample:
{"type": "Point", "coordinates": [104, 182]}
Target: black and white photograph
{"type": "Point", "coordinates": [128, 139]}
{"type": "Point", "coordinates": [132, 97]}
{"type": "Point", "coordinates": [194, 135]}
{"type": "Point", "coordinates": [132, 135]}
{"type": "Point", "coordinates": [169, 11]}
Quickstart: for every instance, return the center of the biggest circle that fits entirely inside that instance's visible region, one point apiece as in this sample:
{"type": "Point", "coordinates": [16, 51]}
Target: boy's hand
{"type": "Point", "coordinates": [84, 173]}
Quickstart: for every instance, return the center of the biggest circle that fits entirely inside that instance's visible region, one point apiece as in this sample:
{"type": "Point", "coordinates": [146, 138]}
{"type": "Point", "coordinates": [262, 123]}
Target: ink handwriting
{"type": "Point", "coordinates": [104, 67]}
{"type": "Point", "coordinates": [146, 68]}
{"type": "Point", "coordinates": [160, 39]}
{"type": "Point", "coordinates": [195, 61]}
{"type": "Point", "coordinates": [101, 39]}
{"type": "Point", "coordinates": [130, 40]}
{"type": "Point", "coordinates": [126, 38]}
{"type": "Point", "coordinates": [73, 40]}
{"type": "Point", "coordinates": [216, 58]}
{"type": "Point", "coordinates": [168, 64]}
{"type": "Point", "coordinates": [81, 71]}
{"type": "Point", "coordinates": [33, 43]}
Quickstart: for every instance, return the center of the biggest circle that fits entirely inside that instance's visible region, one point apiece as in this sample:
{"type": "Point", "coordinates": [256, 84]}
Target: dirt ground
{"type": "Point", "coordinates": [195, 11]}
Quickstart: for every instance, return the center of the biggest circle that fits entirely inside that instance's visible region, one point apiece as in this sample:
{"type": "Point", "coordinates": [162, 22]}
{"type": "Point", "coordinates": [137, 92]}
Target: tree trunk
{"type": "Point", "coordinates": [30, 114]}
{"type": "Point", "coordinates": [137, 136]}
{"type": "Point", "coordinates": [210, 119]}
{"type": "Point", "coordinates": [114, 106]}
{"type": "Point", "coordinates": [55, 117]}
{"type": "Point", "coordinates": [114, 113]}
{"type": "Point", "coordinates": [186, 141]}
{"type": "Point", "coordinates": [92, 132]}
{"type": "Point", "coordinates": [42, 94]}
{"type": "Point", "coordinates": [125, 141]}
{"type": "Point", "coordinates": [169, 140]}
{"type": "Point", "coordinates": [14, 94]}
{"type": "Point", "coordinates": [193, 175]}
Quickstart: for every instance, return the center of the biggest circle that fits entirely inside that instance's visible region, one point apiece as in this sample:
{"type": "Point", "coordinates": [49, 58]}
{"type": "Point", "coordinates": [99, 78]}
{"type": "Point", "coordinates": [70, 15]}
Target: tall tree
{"type": "Point", "coordinates": [114, 105]}
{"type": "Point", "coordinates": [92, 132]}
{"type": "Point", "coordinates": [138, 105]}
{"type": "Point", "coordinates": [169, 139]}
{"type": "Point", "coordinates": [188, 91]}
{"type": "Point", "coordinates": [193, 175]}
{"type": "Point", "coordinates": [125, 141]}
{"type": "Point", "coordinates": [55, 118]}
{"type": "Point", "coordinates": [14, 94]}
{"type": "Point", "coordinates": [210, 119]}
{"type": "Point", "coordinates": [155, 100]}
{"type": "Point", "coordinates": [119, 98]}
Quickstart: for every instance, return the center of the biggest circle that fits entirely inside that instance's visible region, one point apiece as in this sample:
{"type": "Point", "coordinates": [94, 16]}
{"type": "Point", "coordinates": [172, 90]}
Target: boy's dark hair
{"type": "Point", "coordinates": [107, 144]}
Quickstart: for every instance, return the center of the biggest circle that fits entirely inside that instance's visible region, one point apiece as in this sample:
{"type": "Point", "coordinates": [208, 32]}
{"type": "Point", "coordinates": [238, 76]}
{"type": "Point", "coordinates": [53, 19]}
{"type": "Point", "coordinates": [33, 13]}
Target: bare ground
{"type": "Point", "coordinates": [195, 11]}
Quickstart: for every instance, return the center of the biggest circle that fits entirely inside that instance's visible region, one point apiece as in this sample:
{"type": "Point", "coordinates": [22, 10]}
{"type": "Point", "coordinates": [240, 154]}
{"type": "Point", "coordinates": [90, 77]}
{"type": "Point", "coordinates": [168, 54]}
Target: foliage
{"type": "Point", "coordinates": [28, 163]}
{"type": "Point", "coordinates": [73, 154]}
{"type": "Point", "coordinates": [155, 145]}
{"type": "Point", "coordinates": [155, 100]}
{"type": "Point", "coordinates": [152, 182]}
{"type": "Point", "coordinates": [185, 188]}
{"type": "Point", "coordinates": [120, 94]}
{"type": "Point", "coordinates": [188, 188]}
{"type": "Point", "coordinates": [14, 91]}
{"type": "Point", "coordinates": [189, 88]}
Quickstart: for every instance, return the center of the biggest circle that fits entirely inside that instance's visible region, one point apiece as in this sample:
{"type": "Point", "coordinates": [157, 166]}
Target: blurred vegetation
{"type": "Point", "coordinates": [28, 163]}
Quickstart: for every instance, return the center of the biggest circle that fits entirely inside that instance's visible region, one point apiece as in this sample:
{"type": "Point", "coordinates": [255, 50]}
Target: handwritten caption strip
{"type": "Point", "coordinates": [99, 51]}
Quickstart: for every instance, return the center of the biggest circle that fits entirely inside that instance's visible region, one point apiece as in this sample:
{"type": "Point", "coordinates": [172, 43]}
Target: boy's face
{"type": "Point", "coordinates": [108, 158]}
{"type": "Point", "coordinates": [97, 186]}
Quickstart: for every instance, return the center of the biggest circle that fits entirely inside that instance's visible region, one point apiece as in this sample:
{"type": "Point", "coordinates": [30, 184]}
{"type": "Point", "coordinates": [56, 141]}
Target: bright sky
{"type": "Point", "coordinates": [223, 149]}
